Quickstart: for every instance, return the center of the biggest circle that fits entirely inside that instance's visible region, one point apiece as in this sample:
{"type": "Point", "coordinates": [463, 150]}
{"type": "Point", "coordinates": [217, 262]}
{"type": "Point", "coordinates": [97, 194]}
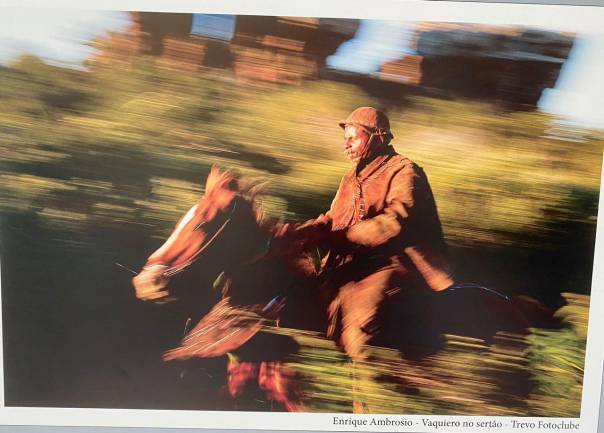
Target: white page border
{"type": "Point", "coordinates": [586, 19]}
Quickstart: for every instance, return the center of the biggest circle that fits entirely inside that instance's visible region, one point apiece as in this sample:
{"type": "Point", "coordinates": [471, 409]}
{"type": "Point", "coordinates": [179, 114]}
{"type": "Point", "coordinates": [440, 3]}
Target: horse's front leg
{"type": "Point", "coordinates": [239, 374]}
{"type": "Point", "coordinates": [277, 380]}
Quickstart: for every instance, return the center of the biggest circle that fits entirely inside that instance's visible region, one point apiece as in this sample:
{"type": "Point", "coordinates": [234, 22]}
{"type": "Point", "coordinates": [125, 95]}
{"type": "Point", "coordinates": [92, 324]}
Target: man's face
{"type": "Point", "coordinates": [356, 142]}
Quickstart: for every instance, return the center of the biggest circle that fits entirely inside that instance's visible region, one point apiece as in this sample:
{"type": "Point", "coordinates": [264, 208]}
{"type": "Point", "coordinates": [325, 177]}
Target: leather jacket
{"type": "Point", "coordinates": [386, 213]}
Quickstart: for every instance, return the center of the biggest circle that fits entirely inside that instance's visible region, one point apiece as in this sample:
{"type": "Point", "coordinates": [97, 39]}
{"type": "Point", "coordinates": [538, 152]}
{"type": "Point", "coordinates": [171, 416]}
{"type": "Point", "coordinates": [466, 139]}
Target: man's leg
{"type": "Point", "coordinates": [360, 304]}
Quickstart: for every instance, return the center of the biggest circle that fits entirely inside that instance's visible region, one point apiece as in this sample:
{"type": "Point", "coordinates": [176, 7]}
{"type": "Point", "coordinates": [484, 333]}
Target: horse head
{"type": "Point", "coordinates": [223, 226]}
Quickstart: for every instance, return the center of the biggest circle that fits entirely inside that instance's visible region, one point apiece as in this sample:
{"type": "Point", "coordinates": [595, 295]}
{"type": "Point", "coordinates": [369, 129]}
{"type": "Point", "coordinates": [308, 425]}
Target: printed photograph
{"type": "Point", "coordinates": [296, 214]}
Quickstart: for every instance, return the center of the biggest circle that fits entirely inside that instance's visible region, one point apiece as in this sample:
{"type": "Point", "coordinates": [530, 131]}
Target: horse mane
{"type": "Point", "coordinates": [220, 182]}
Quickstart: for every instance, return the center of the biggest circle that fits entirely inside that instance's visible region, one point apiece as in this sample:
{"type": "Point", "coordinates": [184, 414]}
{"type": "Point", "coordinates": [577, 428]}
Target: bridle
{"type": "Point", "coordinates": [177, 269]}
{"type": "Point", "coordinates": [171, 271]}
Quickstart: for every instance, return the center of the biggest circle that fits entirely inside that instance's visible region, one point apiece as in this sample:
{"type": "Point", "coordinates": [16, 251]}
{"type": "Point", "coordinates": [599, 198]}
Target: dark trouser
{"type": "Point", "coordinates": [366, 306]}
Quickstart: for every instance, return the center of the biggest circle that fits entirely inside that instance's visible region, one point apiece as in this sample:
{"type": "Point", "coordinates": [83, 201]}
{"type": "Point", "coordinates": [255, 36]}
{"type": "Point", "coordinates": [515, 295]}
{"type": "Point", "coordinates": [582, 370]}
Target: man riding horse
{"type": "Point", "coordinates": [383, 233]}
{"type": "Point", "coordinates": [387, 259]}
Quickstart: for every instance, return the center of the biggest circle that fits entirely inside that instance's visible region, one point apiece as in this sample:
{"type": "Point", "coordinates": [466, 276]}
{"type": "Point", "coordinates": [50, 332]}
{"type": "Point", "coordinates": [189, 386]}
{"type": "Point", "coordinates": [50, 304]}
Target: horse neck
{"type": "Point", "coordinates": [272, 275]}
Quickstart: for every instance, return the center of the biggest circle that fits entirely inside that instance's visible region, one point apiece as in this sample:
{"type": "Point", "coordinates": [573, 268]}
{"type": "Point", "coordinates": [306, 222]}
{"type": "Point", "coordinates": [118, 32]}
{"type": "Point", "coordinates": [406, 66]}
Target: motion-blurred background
{"type": "Point", "coordinates": [109, 123]}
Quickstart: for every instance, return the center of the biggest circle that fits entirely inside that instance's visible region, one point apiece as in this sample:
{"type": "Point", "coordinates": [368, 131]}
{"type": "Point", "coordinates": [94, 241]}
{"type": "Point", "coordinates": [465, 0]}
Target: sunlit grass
{"type": "Point", "coordinates": [538, 375]}
{"type": "Point", "coordinates": [494, 174]}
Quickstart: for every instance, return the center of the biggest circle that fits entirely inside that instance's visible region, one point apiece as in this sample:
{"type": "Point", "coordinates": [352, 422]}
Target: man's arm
{"type": "Point", "coordinates": [308, 234]}
{"type": "Point", "coordinates": [400, 206]}
{"type": "Point", "coordinates": [311, 233]}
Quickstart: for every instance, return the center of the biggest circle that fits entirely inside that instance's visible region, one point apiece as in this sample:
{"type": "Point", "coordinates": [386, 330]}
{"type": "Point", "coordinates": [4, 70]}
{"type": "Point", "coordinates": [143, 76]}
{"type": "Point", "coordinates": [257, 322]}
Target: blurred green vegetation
{"type": "Point", "coordinates": [90, 156]}
{"type": "Point", "coordinates": [538, 375]}
{"type": "Point", "coordinates": [557, 361]}
{"type": "Point", "coordinates": [139, 142]}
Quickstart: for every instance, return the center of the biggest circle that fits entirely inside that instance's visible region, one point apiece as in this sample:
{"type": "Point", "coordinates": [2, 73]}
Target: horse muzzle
{"type": "Point", "coordinates": [150, 284]}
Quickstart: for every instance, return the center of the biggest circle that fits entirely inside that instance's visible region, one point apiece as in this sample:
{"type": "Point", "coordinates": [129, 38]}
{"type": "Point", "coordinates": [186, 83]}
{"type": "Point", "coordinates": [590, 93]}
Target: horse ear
{"type": "Point", "coordinates": [213, 177]}
{"type": "Point", "coordinates": [215, 171]}
{"type": "Point", "coordinates": [222, 186]}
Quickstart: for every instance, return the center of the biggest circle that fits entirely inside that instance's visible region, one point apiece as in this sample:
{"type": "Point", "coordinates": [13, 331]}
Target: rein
{"type": "Point", "coordinates": [175, 270]}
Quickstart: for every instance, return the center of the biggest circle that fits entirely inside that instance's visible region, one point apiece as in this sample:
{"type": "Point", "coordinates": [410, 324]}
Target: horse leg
{"type": "Point", "coordinates": [239, 374]}
{"type": "Point", "coordinates": [276, 380]}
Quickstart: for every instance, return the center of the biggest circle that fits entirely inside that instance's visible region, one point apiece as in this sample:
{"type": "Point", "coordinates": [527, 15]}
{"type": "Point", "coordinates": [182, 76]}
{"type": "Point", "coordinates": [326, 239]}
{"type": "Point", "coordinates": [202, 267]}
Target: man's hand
{"type": "Point", "coordinates": [288, 238]}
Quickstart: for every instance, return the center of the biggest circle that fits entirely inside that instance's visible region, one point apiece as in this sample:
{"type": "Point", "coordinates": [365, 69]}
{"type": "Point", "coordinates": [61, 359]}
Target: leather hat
{"type": "Point", "coordinates": [373, 120]}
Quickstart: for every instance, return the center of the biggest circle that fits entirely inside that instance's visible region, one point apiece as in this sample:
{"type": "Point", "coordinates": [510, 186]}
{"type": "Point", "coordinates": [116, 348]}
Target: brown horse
{"type": "Point", "coordinates": [225, 236]}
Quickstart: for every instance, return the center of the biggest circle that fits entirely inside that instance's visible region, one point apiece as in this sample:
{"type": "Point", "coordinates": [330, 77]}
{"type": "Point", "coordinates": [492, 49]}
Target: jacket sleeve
{"type": "Point", "coordinates": [310, 233]}
{"type": "Point", "coordinates": [400, 206]}
{"type": "Point", "coordinates": [314, 231]}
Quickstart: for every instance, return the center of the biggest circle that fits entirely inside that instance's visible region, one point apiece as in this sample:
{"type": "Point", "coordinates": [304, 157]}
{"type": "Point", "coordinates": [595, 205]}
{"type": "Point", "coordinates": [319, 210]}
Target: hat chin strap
{"type": "Point", "coordinates": [366, 156]}
{"type": "Point", "coordinates": [372, 150]}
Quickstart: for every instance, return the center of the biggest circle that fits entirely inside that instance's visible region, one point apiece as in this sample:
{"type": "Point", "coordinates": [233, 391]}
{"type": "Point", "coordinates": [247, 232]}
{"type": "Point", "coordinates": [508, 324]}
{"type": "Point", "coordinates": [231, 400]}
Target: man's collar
{"type": "Point", "coordinates": [376, 162]}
